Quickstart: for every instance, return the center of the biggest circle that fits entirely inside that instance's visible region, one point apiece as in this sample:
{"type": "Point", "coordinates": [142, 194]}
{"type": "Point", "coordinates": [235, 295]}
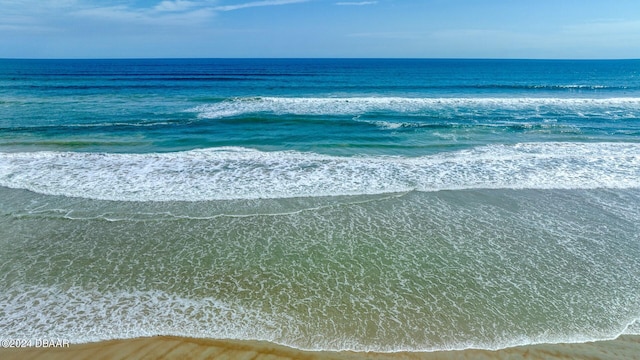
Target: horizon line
{"type": "Point", "coordinates": [315, 58]}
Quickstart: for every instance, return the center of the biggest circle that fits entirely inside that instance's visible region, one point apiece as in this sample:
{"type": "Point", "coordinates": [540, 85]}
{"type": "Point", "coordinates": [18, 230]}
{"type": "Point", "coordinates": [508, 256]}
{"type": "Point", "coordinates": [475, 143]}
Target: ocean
{"type": "Point", "coordinates": [324, 204]}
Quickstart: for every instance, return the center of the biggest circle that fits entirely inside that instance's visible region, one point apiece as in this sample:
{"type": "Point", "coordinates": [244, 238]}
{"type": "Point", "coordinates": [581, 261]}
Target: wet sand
{"type": "Point", "coordinates": [170, 347]}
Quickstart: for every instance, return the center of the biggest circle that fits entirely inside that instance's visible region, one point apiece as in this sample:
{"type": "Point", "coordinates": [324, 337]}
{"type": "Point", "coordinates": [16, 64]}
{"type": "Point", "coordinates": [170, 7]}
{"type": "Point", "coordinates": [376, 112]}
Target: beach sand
{"type": "Point", "coordinates": [170, 347]}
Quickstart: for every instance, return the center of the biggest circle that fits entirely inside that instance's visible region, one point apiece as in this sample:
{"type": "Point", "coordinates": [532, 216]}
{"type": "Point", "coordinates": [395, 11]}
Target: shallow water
{"type": "Point", "coordinates": [411, 271]}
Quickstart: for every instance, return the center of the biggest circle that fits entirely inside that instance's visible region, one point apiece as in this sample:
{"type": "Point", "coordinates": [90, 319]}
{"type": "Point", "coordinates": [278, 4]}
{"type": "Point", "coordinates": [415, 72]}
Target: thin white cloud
{"type": "Point", "coordinates": [129, 16]}
{"type": "Point", "coordinates": [356, 3]}
{"type": "Point", "coordinates": [119, 12]}
{"type": "Point", "coordinates": [257, 3]}
{"type": "Point", "coordinates": [17, 14]}
{"type": "Point", "coordinates": [21, 15]}
{"type": "Point", "coordinates": [175, 5]}
{"type": "Point", "coordinates": [39, 3]}
{"type": "Point", "coordinates": [167, 12]}
{"type": "Point", "coordinates": [94, 17]}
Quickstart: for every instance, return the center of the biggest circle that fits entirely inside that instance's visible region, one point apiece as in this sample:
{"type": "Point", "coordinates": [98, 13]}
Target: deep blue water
{"type": "Point", "coordinates": [363, 204]}
{"type": "Point", "coordinates": [343, 107]}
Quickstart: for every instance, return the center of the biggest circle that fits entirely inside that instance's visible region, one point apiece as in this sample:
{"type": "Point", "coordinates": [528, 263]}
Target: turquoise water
{"type": "Point", "coordinates": [323, 204]}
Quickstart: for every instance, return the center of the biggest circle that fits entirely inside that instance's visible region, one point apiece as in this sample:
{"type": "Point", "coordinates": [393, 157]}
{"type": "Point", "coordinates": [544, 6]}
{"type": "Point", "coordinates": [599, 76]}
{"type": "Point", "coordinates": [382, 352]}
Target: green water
{"type": "Point", "coordinates": [416, 271]}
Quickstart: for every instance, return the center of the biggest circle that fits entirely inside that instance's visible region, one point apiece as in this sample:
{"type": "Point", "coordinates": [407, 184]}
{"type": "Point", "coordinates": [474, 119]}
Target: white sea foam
{"type": "Point", "coordinates": [241, 173]}
{"type": "Point", "coordinates": [390, 125]}
{"type": "Point", "coordinates": [633, 328]}
{"type": "Point", "coordinates": [90, 315]}
{"type": "Point", "coordinates": [361, 105]}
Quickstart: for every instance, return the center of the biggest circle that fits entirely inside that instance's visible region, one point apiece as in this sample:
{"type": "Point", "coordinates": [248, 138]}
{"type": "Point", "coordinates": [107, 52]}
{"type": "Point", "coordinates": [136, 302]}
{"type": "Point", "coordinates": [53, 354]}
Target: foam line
{"type": "Point", "coordinates": [360, 105]}
{"type": "Point", "coordinates": [132, 314]}
{"type": "Point", "coordinates": [241, 173]}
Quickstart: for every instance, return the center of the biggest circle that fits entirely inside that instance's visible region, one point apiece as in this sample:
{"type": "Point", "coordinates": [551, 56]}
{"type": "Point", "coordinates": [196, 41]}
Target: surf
{"type": "Point", "coordinates": [227, 173]}
{"type": "Point", "coordinates": [328, 106]}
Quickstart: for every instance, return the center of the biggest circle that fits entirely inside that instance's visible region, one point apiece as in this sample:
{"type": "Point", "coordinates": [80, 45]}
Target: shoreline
{"type": "Point", "coordinates": [174, 347]}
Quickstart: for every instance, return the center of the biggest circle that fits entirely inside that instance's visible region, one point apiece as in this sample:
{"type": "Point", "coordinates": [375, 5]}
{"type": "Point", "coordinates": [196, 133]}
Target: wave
{"type": "Point", "coordinates": [593, 88]}
{"type": "Point", "coordinates": [509, 125]}
{"type": "Point", "coordinates": [133, 314]}
{"type": "Point", "coordinates": [540, 87]}
{"type": "Point", "coordinates": [240, 173]}
{"type": "Point", "coordinates": [362, 105]}
{"type": "Point", "coordinates": [118, 311]}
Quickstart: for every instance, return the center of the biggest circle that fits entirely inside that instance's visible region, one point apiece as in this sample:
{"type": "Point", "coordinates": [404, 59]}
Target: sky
{"type": "Point", "coordinates": [551, 29]}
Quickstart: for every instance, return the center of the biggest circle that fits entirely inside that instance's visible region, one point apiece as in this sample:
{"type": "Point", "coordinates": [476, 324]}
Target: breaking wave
{"type": "Point", "coordinates": [242, 173]}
